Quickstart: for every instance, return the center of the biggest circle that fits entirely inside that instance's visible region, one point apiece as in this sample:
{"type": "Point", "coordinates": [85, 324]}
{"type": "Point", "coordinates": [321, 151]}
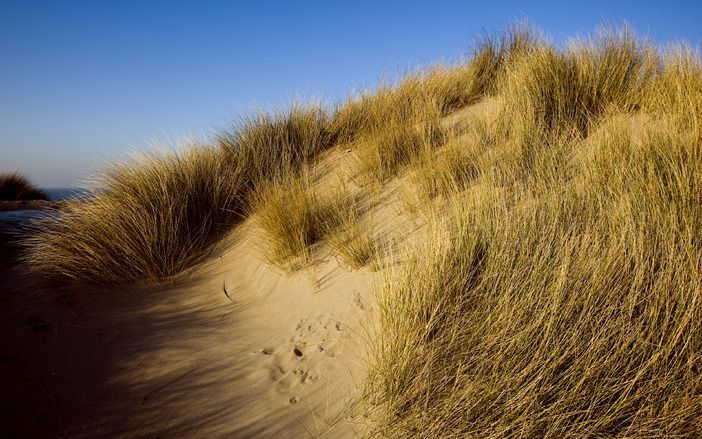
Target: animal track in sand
{"type": "Point", "coordinates": [358, 300]}
{"type": "Point", "coordinates": [303, 358]}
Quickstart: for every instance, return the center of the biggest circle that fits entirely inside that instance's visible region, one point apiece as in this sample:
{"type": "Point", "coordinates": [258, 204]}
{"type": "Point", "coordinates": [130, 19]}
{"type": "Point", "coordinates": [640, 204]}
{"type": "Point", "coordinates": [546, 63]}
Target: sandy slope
{"type": "Point", "coordinates": [282, 358]}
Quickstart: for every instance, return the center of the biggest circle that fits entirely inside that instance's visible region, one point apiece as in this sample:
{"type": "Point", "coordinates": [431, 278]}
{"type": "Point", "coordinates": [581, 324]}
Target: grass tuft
{"type": "Point", "coordinates": [401, 143]}
{"type": "Point", "coordinates": [148, 219]}
{"type": "Point", "coordinates": [273, 146]}
{"type": "Point", "coordinates": [450, 169]}
{"type": "Point", "coordinates": [293, 218]}
{"type": "Point", "coordinates": [559, 93]}
{"type": "Point", "coordinates": [349, 233]}
{"type": "Point", "coordinates": [16, 187]}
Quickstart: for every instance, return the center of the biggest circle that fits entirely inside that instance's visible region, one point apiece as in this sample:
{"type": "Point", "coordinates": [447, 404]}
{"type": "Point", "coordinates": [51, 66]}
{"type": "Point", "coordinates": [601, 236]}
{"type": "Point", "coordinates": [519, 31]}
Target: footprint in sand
{"type": "Point", "coordinates": [333, 349]}
{"type": "Point", "coordinates": [288, 369]}
{"type": "Point", "coordinates": [302, 359]}
{"type": "Point", "coordinates": [287, 383]}
{"type": "Point", "coordinates": [313, 375]}
{"type": "Point", "coordinates": [279, 369]}
{"type": "Point", "coordinates": [358, 300]}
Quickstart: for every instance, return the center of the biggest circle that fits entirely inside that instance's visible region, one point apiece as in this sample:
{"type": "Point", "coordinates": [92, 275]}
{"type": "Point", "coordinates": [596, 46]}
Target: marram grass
{"type": "Point", "coordinates": [562, 295]}
{"type": "Point", "coordinates": [17, 187]}
{"type": "Point", "coordinates": [148, 220]}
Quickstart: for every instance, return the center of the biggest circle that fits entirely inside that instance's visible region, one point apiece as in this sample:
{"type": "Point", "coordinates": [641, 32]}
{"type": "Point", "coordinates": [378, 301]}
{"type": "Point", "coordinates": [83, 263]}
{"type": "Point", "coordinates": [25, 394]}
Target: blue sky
{"type": "Point", "coordinates": [85, 82]}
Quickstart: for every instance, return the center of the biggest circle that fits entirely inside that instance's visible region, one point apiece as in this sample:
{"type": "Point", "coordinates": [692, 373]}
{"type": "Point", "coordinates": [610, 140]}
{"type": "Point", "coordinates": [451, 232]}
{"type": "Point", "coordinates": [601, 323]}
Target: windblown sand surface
{"type": "Point", "coordinates": [282, 358]}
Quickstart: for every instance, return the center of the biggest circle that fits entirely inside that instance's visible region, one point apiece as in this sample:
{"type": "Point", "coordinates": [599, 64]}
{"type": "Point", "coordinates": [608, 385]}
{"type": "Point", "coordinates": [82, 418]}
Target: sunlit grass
{"type": "Point", "coordinates": [560, 296]}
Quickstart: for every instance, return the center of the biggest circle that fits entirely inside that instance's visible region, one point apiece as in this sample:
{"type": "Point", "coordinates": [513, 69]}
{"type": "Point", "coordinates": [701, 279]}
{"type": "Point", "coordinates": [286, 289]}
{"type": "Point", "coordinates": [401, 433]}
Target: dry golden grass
{"type": "Point", "coordinates": [677, 89]}
{"type": "Point", "coordinates": [293, 218]}
{"type": "Point", "coordinates": [14, 187]}
{"type": "Point", "coordinates": [565, 92]}
{"type": "Point", "coordinates": [451, 169]}
{"type": "Point", "coordinates": [571, 314]}
{"type": "Point", "coordinates": [560, 297]}
{"type": "Point", "coordinates": [274, 146]}
{"type": "Point", "coordinates": [400, 143]}
{"type": "Point", "coordinates": [354, 245]}
{"type": "Point", "coordinates": [446, 88]}
{"type": "Point", "coordinates": [350, 232]}
{"type": "Point", "coordinates": [148, 219]}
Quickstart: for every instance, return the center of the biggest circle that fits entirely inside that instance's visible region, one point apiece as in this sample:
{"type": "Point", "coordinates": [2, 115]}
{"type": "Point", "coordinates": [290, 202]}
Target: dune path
{"type": "Point", "coordinates": [236, 349]}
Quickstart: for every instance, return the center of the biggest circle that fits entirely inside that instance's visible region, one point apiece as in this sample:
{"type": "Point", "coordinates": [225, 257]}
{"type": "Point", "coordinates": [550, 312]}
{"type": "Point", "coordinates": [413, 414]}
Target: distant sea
{"type": "Point", "coordinates": [13, 220]}
{"type": "Point", "coordinates": [63, 193]}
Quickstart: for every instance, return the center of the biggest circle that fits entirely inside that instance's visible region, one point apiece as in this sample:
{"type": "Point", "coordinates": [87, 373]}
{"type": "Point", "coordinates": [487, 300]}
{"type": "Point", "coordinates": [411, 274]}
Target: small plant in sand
{"type": "Point", "coordinates": [447, 170]}
{"type": "Point", "coordinates": [349, 233]}
{"type": "Point", "coordinates": [292, 216]}
{"type": "Point", "coordinates": [400, 143]}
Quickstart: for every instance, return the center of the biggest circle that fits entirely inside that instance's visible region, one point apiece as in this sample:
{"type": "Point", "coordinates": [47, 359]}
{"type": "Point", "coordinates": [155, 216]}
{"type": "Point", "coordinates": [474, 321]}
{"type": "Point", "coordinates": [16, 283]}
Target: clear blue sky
{"type": "Point", "coordinates": [85, 82]}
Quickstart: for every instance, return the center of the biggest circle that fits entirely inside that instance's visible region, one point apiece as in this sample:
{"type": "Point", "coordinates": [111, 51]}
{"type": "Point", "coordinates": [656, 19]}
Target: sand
{"type": "Point", "coordinates": [276, 356]}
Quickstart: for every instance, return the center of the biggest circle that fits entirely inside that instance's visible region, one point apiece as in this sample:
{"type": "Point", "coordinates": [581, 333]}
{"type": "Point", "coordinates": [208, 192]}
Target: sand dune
{"type": "Point", "coordinates": [536, 252]}
{"type": "Point", "coordinates": [234, 348]}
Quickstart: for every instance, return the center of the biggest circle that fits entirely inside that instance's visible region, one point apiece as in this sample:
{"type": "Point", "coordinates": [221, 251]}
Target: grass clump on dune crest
{"type": "Point", "coordinates": [449, 88]}
{"type": "Point", "coordinates": [494, 54]}
{"type": "Point", "coordinates": [148, 219]}
{"type": "Point", "coordinates": [158, 215]}
{"type": "Point", "coordinates": [565, 92]}
{"type": "Point", "coordinates": [14, 187]}
{"type": "Point", "coordinates": [272, 146]}
{"type": "Point", "coordinates": [677, 90]}
{"type": "Point", "coordinates": [373, 113]}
